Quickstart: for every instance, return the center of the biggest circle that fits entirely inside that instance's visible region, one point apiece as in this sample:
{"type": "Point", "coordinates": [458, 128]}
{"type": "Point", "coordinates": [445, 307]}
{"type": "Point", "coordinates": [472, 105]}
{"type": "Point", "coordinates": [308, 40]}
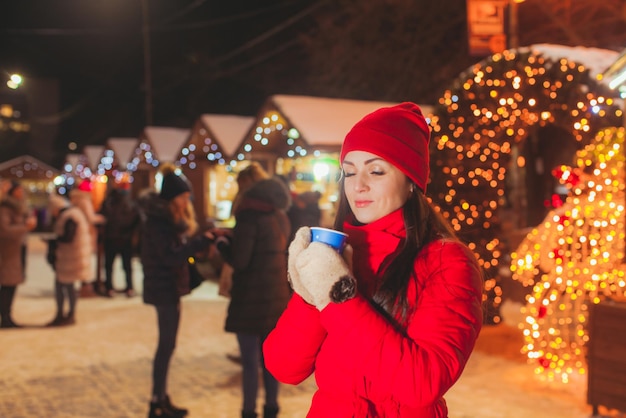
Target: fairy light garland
{"type": "Point", "coordinates": [491, 108]}
{"type": "Point", "coordinates": [203, 147]}
{"type": "Point", "coordinates": [574, 259]}
{"type": "Point", "coordinates": [143, 155]}
{"type": "Point", "coordinates": [274, 129]}
{"type": "Point", "coordinates": [78, 170]}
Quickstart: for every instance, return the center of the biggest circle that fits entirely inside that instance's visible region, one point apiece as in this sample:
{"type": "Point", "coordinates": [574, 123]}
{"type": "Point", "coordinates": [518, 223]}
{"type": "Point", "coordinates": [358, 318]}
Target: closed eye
{"type": "Point", "coordinates": [373, 173]}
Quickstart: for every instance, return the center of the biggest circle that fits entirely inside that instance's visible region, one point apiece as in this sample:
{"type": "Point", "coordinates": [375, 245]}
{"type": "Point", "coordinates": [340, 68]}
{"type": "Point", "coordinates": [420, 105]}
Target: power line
{"type": "Point", "coordinates": [264, 36]}
{"type": "Point", "coordinates": [202, 24]}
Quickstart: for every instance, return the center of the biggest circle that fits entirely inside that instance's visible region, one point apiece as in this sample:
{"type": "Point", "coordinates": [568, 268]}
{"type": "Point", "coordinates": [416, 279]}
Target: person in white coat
{"type": "Point", "coordinates": [82, 198]}
{"type": "Point", "coordinates": [70, 255]}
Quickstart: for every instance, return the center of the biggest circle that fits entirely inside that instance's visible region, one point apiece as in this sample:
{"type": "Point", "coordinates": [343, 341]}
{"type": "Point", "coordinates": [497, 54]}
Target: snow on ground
{"type": "Point", "coordinates": [106, 358]}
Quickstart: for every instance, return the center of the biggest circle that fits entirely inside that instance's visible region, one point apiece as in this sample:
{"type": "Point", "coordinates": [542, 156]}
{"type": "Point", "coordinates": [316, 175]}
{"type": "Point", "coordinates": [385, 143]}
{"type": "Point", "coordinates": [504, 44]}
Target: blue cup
{"type": "Point", "coordinates": [335, 239]}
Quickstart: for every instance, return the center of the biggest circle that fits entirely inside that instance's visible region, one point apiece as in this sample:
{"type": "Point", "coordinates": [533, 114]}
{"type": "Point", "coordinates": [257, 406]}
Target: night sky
{"type": "Point", "coordinates": [229, 56]}
{"type": "Point", "coordinates": [206, 57]}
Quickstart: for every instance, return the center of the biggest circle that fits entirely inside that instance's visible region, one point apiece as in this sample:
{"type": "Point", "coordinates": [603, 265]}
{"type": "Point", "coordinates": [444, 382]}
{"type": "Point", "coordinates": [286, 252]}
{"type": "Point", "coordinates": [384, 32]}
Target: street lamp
{"type": "Point", "coordinates": [15, 81]}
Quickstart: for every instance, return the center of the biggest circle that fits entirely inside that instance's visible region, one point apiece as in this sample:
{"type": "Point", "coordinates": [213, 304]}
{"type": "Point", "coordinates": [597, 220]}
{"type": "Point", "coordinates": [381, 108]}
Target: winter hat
{"type": "Point", "coordinates": [57, 202]}
{"type": "Point", "coordinates": [399, 134]}
{"type": "Point", "coordinates": [85, 186]}
{"type": "Point", "coordinates": [172, 184]}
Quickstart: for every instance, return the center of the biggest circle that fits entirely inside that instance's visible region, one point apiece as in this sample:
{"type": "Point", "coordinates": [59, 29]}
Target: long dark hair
{"type": "Point", "coordinates": [423, 223]}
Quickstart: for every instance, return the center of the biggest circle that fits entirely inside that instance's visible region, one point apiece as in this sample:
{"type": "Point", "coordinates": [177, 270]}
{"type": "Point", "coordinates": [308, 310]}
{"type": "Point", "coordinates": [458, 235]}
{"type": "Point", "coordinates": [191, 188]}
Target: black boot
{"type": "Point", "coordinates": [56, 322]}
{"type": "Point", "coordinates": [245, 414]}
{"type": "Point", "coordinates": [70, 319]}
{"type": "Point", "coordinates": [7, 293]}
{"type": "Point", "coordinates": [270, 411]}
{"type": "Point", "coordinates": [182, 412]}
{"type": "Point", "coordinates": [161, 410]}
{"type": "Point", "coordinates": [7, 322]}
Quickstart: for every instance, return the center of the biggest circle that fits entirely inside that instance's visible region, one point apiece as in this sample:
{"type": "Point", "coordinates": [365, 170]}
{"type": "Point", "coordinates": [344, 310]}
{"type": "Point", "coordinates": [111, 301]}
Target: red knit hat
{"type": "Point", "coordinates": [85, 186]}
{"type": "Point", "coordinates": [399, 134]}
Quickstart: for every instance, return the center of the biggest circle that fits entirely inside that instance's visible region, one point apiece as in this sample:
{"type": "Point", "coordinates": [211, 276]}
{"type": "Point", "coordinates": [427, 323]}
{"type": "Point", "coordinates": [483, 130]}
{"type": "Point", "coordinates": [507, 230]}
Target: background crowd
{"type": "Point", "coordinates": [84, 242]}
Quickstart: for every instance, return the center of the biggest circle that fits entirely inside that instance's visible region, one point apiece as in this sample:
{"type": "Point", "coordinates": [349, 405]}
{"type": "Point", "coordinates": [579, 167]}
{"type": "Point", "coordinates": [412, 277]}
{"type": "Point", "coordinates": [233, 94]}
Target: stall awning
{"type": "Point", "coordinates": [294, 126]}
{"type": "Point", "coordinates": [166, 142]}
{"type": "Point", "coordinates": [27, 167]}
{"type": "Point", "coordinates": [227, 131]}
{"type": "Point", "coordinates": [323, 121]}
{"type": "Point", "coordinates": [123, 149]}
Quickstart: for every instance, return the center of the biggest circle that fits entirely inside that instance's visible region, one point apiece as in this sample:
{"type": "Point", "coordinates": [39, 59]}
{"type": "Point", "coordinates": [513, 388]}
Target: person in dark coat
{"type": "Point", "coordinates": [119, 235]}
{"type": "Point", "coordinates": [304, 211]}
{"type": "Point", "coordinates": [260, 290]}
{"type": "Point", "coordinates": [169, 238]}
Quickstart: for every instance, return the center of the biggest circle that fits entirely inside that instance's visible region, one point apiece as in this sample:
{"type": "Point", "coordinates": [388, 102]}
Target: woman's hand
{"type": "Point", "coordinates": [31, 223]}
{"type": "Point", "coordinates": [300, 242]}
{"type": "Point", "coordinates": [323, 274]}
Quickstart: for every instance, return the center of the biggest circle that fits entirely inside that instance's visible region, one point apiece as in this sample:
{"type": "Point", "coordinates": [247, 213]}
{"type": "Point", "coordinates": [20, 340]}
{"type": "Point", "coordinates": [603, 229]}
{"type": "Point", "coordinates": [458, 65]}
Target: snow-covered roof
{"type": "Point", "coordinates": [597, 60]}
{"type": "Point", "coordinates": [166, 142]}
{"type": "Point", "coordinates": [74, 158]}
{"type": "Point", "coordinates": [228, 130]}
{"type": "Point", "coordinates": [27, 167]}
{"type": "Point", "coordinates": [123, 148]}
{"type": "Point", "coordinates": [326, 121]}
{"type": "Point", "coordinates": [94, 155]}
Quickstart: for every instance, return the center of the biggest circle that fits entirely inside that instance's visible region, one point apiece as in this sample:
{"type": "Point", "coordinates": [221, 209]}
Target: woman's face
{"type": "Point", "coordinates": [374, 187]}
{"type": "Point", "coordinates": [180, 201]}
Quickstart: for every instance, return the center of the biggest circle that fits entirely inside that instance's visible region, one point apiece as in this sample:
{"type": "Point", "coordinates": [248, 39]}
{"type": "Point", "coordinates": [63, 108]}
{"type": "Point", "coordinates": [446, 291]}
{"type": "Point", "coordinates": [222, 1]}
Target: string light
{"type": "Point", "coordinates": [143, 156]}
{"type": "Point", "coordinates": [574, 259]}
{"type": "Point", "coordinates": [273, 134]}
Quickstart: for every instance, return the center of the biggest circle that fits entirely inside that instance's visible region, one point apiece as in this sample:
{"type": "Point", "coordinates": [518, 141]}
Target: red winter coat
{"type": "Point", "coordinates": [366, 367]}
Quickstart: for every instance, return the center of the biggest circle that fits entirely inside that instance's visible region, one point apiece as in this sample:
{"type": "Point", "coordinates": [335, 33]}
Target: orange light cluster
{"type": "Point", "coordinates": [574, 259]}
{"type": "Point", "coordinates": [491, 107]}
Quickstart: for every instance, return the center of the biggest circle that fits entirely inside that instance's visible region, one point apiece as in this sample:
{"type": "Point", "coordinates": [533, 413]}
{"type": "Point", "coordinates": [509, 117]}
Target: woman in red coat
{"type": "Point", "coordinates": [389, 335]}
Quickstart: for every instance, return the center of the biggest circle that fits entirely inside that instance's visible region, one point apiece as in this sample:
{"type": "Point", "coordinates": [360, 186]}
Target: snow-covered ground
{"type": "Point", "coordinates": [101, 366]}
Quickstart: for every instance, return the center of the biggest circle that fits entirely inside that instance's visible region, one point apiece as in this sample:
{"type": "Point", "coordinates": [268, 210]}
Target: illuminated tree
{"type": "Point", "coordinates": [489, 110]}
{"type": "Point", "coordinates": [574, 259]}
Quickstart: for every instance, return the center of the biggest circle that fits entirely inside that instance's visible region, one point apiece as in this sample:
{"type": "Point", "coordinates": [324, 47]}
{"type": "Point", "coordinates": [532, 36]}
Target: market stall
{"type": "Point", "coordinates": [157, 144]}
{"type": "Point", "coordinates": [205, 160]}
{"type": "Point", "coordinates": [36, 177]}
{"type": "Point", "coordinates": [299, 137]}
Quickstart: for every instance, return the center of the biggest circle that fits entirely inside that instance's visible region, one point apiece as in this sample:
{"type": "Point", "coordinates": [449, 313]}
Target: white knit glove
{"type": "Point", "coordinates": [300, 242]}
{"type": "Point", "coordinates": [324, 275]}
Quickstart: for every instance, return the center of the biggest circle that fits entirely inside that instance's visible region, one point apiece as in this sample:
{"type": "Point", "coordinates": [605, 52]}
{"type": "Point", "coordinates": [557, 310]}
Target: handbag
{"type": "Point", "coordinates": [195, 277]}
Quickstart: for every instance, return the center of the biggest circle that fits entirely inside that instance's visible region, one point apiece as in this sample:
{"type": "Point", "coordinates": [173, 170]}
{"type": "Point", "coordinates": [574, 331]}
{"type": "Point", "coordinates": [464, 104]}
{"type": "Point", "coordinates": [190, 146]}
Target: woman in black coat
{"type": "Point", "coordinates": [260, 290]}
{"type": "Point", "coordinates": [168, 241]}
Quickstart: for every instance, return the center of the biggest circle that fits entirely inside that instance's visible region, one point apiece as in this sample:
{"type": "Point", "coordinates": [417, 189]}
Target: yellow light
{"type": "Point", "coordinates": [15, 81]}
